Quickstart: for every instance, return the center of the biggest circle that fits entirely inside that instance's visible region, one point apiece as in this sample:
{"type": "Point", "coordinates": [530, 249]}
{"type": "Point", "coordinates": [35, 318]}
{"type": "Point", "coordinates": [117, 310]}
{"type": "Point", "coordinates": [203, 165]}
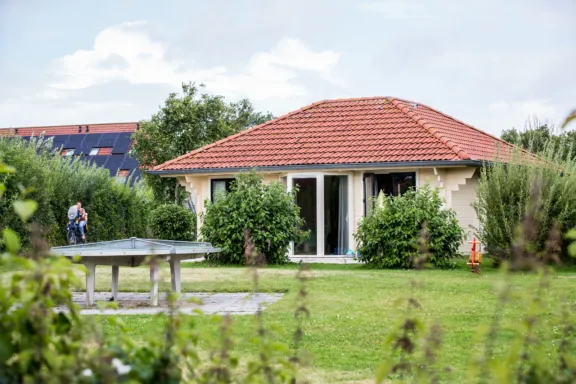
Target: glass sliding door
{"type": "Point", "coordinates": [306, 198]}
{"type": "Point", "coordinates": [335, 215]}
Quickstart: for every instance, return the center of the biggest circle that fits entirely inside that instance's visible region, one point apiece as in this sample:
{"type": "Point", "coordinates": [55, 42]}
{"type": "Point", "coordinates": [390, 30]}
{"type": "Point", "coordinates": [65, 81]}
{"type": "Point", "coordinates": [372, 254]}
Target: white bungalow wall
{"type": "Point", "coordinates": [457, 185]}
{"type": "Point", "coordinates": [459, 190]}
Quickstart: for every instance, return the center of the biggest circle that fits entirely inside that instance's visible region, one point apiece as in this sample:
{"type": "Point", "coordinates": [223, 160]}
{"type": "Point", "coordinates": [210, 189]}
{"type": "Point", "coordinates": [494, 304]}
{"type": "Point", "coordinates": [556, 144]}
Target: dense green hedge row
{"type": "Point", "coordinates": [115, 210]}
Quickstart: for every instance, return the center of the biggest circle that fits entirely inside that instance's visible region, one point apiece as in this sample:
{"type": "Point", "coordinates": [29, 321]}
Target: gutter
{"type": "Point", "coordinates": [306, 167]}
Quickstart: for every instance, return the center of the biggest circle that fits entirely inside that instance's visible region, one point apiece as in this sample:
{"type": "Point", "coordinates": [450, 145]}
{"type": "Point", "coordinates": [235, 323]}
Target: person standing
{"type": "Point", "coordinates": [73, 212]}
{"type": "Point", "coordinates": [82, 222]}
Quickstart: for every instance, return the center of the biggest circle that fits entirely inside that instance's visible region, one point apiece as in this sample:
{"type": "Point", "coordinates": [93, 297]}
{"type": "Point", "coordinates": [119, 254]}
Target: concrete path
{"type": "Point", "coordinates": [325, 259]}
{"type": "Point", "coordinates": [308, 259]}
{"type": "Point", "coordinates": [132, 303]}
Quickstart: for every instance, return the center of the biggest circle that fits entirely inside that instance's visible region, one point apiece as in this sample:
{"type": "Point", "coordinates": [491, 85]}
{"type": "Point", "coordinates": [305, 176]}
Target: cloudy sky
{"type": "Point", "coordinates": [490, 63]}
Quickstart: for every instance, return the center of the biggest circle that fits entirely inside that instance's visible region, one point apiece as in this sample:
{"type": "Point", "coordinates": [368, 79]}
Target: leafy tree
{"type": "Point", "coordinates": [536, 136]}
{"type": "Point", "coordinates": [532, 139]}
{"type": "Point", "coordinates": [187, 122]}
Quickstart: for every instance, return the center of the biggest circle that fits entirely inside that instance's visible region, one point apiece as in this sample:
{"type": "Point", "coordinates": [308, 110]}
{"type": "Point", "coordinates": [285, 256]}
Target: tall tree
{"type": "Point", "coordinates": [187, 122]}
{"type": "Point", "coordinates": [538, 136]}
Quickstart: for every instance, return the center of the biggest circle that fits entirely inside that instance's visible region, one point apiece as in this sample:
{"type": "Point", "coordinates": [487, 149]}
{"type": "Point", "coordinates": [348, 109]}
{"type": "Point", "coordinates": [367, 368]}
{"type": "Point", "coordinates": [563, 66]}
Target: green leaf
{"type": "Point", "coordinates": [569, 119]}
{"type": "Point", "coordinates": [6, 348]}
{"type": "Point", "coordinates": [2, 190]}
{"type": "Point", "coordinates": [11, 240]}
{"type": "Point", "coordinates": [571, 234]}
{"type": "Point", "coordinates": [25, 209]}
{"type": "Point", "coordinates": [6, 169]}
{"type": "Point", "coordinates": [572, 249]}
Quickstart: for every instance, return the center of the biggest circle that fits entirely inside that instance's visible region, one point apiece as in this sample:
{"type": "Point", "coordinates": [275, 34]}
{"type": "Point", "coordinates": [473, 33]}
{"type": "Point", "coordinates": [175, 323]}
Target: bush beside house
{"type": "Point", "coordinates": [267, 211]}
{"type": "Point", "coordinates": [505, 191]}
{"type": "Point", "coordinates": [173, 222]}
{"type": "Point", "coordinates": [389, 236]}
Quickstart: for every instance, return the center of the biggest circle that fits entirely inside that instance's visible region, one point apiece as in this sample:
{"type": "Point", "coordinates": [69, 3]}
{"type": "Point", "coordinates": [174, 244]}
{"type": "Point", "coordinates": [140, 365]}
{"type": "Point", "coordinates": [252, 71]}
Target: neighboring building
{"type": "Point", "coordinates": [106, 145]}
{"type": "Point", "coordinates": [341, 153]}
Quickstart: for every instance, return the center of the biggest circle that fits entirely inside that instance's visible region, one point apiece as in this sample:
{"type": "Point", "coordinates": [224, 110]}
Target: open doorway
{"type": "Point", "coordinates": [306, 198]}
{"type": "Point", "coordinates": [335, 215]}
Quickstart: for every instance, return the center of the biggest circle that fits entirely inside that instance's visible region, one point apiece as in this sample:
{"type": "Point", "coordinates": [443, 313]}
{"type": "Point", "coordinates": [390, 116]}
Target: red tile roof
{"type": "Point", "coordinates": [70, 129]}
{"type": "Point", "coordinates": [346, 131]}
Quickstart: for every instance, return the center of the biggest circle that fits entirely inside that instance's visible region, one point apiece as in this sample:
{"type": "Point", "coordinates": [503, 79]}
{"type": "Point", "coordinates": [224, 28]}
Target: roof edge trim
{"type": "Point", "coordinates": [303, 167]}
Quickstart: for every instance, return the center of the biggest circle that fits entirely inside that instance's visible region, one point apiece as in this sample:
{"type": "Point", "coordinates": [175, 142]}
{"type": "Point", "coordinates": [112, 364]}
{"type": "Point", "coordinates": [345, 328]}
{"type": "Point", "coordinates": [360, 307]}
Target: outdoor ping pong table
{"type": "Point", "coordinates": [134, 252]}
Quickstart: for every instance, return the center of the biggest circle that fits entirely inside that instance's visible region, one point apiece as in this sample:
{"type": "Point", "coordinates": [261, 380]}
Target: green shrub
{"type": "Point", "coordinates": [173, 222]}
{"type": "Point", "coordinates": [267, 211]}
{"type": "Point", "coordinates": [115, 210]}
{"type": "Point", "coordinates": [388, 237]}
{"type": "Point", "coordinates": [505, 191]}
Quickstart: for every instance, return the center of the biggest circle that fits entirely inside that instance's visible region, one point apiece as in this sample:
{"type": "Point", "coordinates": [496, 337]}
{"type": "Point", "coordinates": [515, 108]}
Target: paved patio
{"type": "Point", "coordinates": [132, 303]}
{"type": "Point", "coordinates": [308, 259]}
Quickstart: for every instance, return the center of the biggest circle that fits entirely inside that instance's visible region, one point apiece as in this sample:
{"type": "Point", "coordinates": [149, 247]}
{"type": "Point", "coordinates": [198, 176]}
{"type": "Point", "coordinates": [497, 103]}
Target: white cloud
{"type": "Point", "coordinates": [538, 108]}
{"type": "Point", "coordinates": [526, 107]}
{"type": "Point", "coordinates": [519, 113]}
{"type": "Point", "coordinates": [498, 106]}
{"type": "Point", "coordinates": [27, 112]}
{"type": "Point", "coordinates": [126, 52]}
{"type": "Point", "coordinates": [270, 74]}
{"type": "Point", "coordinates": [396, 9]}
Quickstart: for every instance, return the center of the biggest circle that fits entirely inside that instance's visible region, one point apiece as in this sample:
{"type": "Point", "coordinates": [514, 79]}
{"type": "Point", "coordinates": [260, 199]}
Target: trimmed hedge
{"type": "Point", "coordinates": [115, 210]}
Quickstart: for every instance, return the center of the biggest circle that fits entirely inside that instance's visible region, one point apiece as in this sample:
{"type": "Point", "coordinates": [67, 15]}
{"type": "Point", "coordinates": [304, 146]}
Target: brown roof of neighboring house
{"type": "Point", "coordinates": [70, 129]}
{"type": "Point", "coordinates": [346, 131]}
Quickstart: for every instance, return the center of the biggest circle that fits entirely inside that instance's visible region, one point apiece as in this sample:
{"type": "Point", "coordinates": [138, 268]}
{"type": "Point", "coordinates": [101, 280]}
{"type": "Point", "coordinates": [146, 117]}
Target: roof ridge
{"type": "Point", "coordinates": [241, 133]}
{"type": "Point", "coordinates": [69, 125]}
{"type": "Point", "coordinates": [357, 98]}
{"type": "Point", "coordinates": [461, 153]}
{"type": "Point", "coordinates": [461, 122]}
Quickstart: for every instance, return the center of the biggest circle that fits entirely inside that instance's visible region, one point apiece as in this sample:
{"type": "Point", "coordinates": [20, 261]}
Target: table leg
{"type": "Point", "coordinates": [115, 274]}
{"type": "Point", "coordinates": [175, 275]}
{"type": "Point", "coordinates": [154, 282]}
{"type": "Point", "coordinates": [90, 282]}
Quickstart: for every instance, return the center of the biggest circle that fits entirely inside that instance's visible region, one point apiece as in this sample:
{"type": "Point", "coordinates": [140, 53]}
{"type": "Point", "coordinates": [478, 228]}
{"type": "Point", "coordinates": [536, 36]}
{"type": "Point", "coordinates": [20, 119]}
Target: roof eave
{"type": "Point", "coordinates": [305, 167]}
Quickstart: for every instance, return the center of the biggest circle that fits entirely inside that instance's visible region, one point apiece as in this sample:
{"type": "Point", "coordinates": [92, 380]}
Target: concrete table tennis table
{"type": "Point", "coordinates": [134, 252]}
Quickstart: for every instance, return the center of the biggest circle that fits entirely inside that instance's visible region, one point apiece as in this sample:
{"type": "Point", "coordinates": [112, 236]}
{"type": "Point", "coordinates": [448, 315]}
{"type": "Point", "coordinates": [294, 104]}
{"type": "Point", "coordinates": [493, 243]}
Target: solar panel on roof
{"type": "Point", "coordinates": [129, 163]}
{"type": "Point", "coordinates": [61, 139]}
{"type": "Point", "coordinates": [123, 143]}
{"type": "Point", "coordinates": [90, 141]}
{"type": "Point", "coordinates": [108, 140]}
{"type": "Point", "coordinates": [114, 163]}
{"type": "Point", "coordinates": [74, 141]}
{"type": "Point", "coordinates": [99, 160]}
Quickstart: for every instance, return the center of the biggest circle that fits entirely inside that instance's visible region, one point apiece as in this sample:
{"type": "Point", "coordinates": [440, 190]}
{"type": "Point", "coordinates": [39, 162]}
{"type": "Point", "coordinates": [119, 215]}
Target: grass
{"type": "Point", "coordinates": [353, 310]}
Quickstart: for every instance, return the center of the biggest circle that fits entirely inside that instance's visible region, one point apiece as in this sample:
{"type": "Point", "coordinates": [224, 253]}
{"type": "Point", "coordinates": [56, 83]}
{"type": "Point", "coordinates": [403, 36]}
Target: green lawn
{"type": "Point", "coordinates": [353, 309]}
